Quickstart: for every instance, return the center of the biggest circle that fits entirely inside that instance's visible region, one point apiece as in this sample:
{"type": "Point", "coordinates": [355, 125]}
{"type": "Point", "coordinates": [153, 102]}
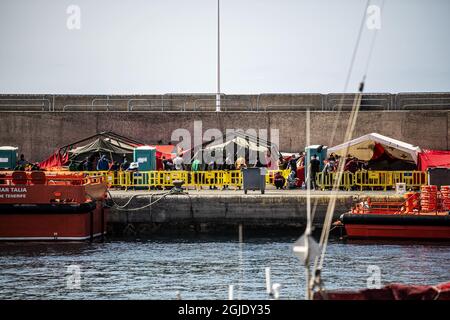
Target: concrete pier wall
{"type": "Point", "coordinates": [227, 209]}
{"type": "Point", "coordinates": [220, 210]}
{"type": "Point", "coordinates": [218, 213]}
{"type": "Point", "coordinates": [39, 134]}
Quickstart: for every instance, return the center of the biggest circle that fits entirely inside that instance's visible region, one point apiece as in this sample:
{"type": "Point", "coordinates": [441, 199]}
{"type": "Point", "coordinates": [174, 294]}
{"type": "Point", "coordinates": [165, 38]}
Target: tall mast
{"type": "Point", "coordinates": [218, 58]}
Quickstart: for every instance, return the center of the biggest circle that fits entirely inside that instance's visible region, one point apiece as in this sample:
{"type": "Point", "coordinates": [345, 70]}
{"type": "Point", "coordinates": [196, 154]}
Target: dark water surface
{"type": "Point", "coordinates": [203, 268]}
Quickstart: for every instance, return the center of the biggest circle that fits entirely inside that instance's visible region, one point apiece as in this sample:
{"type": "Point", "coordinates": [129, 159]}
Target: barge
{"type": "Point", "coordinates": [422, 215]}
{"type": "Point", "coordinates": [45, 206]}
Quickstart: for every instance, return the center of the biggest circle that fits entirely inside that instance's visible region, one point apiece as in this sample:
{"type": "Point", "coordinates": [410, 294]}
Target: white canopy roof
{"type": "Point", "coordinates": [363, 148]}
{"type": "Point", "coordinates": [241, 142]}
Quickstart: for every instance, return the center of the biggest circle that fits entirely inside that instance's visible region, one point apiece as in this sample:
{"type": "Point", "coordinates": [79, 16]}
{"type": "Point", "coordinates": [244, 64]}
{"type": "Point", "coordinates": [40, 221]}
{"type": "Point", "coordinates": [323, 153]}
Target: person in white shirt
{"type": "Point", "coordinates": [178, 162]}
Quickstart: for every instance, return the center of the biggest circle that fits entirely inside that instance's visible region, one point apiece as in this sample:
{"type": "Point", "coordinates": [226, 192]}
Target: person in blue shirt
{"type": "Point", "coordinates": [125, 164]}
{"type": "Point", "coordinates": [103, 164]}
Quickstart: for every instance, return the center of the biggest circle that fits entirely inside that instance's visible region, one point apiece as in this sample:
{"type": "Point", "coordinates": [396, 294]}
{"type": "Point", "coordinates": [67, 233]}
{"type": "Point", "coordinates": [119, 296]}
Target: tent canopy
{"type": "Point", "coordinates": [373, 145]}
{"type": "Point", "coordinates": [240, 143]}
{"type": "Point", "coordinates": [103, 146]}
{"type": "Point", "coordinates": [433, 158]}
{"type": "Point", "coordinates": [112, 145]}
{"type": "Point", "coordinates": [108, 143]}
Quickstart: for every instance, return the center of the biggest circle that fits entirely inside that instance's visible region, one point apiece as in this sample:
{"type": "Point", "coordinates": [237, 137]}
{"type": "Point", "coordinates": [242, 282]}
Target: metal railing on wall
{"type": "Point", "coordinates": [134, 104]}
{"type": "Point", "coordinates": [25, 104]}
{"type": "Point", "coordinates": [287, 107]}
{"type": "Point", "coordinates": [163, 104]}
{"type": "Point", "coordinates": [226, 104]}
{"type": "Point", "coordinates": [263, 102]}
{"type": "Point", "coordinates": [406, 102]}
{"type": "Point", "coordinates": [294, 106]}
{"type": "Point", "coordinates": [109, 103]}
{"type": "Point", "coordinates": [346, 101]}
{"type": "Point", "coordinates": [85, 107]}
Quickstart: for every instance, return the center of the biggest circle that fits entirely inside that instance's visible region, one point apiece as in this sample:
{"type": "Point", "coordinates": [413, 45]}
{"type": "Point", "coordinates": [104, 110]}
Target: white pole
{"type": "Point", "coordinates": [308, 210]}
{"type": "Point", "coordinates": [268, 284]}
{"type": "Point", "coordinates": [218, 58]}
{"type": "Point", "coordinates": [230, 292]}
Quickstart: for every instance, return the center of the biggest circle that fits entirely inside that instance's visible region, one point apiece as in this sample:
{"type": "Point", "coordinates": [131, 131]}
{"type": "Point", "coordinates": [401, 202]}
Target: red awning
{"type": "Point", "coordinates": [433, 158]}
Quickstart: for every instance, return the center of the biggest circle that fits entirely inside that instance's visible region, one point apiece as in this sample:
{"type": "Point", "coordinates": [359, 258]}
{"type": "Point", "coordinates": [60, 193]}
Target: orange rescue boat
{"type": "Point", "coordinates": [43, 206]}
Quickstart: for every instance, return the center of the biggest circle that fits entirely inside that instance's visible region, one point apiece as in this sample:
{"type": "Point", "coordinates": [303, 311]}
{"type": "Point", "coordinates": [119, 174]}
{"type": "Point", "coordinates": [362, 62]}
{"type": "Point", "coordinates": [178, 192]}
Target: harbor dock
{"type": "Point", "coordinates": [220, 210]}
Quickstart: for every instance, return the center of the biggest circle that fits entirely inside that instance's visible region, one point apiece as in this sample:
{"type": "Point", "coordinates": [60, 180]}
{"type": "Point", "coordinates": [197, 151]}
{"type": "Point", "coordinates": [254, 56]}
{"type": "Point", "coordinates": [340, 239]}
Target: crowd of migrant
{"type": "Point", "coordinates": [298, 176]}
{"type": "Point", "coordinates": [296, 179]}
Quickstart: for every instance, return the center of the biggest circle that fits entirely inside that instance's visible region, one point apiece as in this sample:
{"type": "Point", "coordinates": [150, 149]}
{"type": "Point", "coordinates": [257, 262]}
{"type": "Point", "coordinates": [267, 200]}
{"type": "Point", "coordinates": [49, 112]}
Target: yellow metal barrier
{"type": "Point", "coordinates": [388, 179]}
{"type": "Point", "coordinates": [412, 179]}
{"type": "Point", "coordinates": [373, 179]}
{"type": "Point", "coordinates": [233, 178]}
{"type": "Point", "coordinates": [271, 173]}
{"type": "Point", "coordinates": [111, 177]}
{"type": "Point", "coordinates": [213, 179]}
{"type": "Point", "coordinates": [327, 180]}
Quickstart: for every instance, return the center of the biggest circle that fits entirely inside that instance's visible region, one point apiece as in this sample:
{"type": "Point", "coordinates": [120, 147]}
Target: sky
{"type": "Point", "coordinates": [267, 46]}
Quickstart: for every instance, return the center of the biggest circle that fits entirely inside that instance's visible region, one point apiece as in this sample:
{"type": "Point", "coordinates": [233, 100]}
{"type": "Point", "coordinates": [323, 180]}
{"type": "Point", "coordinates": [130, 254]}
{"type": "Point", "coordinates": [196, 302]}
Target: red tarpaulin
{"type": "Point", "coordinates": [378, 151]}
{"type": "Point", "coordinates": [433, 158]}
{"type": "Point", "coordinates": [168, 151]}
{"type": "Point", "coordinates": [55, 160]}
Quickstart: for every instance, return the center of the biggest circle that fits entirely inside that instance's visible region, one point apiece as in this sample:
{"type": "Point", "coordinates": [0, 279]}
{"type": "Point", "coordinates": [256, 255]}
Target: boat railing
{"type": "Point", "coordinates": [13, 178]}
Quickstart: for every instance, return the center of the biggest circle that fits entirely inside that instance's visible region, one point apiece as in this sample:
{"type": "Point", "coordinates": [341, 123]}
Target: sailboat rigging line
{"type": "Point", "coordinates": [308, 278]}
{"type": "Point", "coordinates": [372, 45]}
{"type": "Point", "coordinates": [349, 73]}
{"type": "Point", "coordinates": [318, 263]}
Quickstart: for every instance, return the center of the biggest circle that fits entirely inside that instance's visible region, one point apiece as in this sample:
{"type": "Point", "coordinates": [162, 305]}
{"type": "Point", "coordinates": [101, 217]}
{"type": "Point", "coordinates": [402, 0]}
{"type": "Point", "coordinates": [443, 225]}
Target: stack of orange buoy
{"type": "Point", "coordinates": [445, 192]}
{"type": "Point", "coordinates": [428, 200]}
{"type": "Point", "coordinates": [411, 202]}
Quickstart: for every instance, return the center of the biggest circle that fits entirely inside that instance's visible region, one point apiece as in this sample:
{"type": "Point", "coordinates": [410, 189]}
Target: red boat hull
{"type": "Point", "coordinates": [41, 224]}
{"type": "Point", "coordinates": [395, 291]}
{"type": "Point", "coordinates": [401, 232]}
{"type": "Point", "coordinates": [433, 227]}
{"type": "Point", "coordinates": [37, 205]}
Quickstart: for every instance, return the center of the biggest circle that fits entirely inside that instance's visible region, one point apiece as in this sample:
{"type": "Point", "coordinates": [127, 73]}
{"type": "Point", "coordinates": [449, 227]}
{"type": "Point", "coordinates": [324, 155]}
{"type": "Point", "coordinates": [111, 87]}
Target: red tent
{"type": "Point", "coordinates": [56, 160]}
{"type": "Point", "coordinates": [433, 158]}
{"type": "Point", "coordinates": [168, 151]}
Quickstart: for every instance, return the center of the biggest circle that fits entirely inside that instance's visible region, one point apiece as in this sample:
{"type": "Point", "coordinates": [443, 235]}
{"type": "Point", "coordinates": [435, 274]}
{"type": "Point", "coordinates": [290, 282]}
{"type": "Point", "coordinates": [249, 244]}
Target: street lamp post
{"type": "Point", "coordinates": [218, 58]}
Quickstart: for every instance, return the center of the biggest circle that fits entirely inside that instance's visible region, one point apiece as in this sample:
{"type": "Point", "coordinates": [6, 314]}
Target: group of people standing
{"type": "Point", "coordinates": [102, 163]}
{"type": "Point", "coordinates": [352, 164]}
{"type": "Point", "coordinates": [299, 174]}
{"type": "Point", "coordinates": [231, 163]}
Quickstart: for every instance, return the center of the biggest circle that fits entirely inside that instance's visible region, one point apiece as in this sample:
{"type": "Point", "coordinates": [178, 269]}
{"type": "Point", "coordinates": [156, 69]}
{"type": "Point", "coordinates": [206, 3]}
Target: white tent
{"type": "Point", "coordinates": [363, 148]}
{"type": "Point", "coordinates": [240, 142]}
